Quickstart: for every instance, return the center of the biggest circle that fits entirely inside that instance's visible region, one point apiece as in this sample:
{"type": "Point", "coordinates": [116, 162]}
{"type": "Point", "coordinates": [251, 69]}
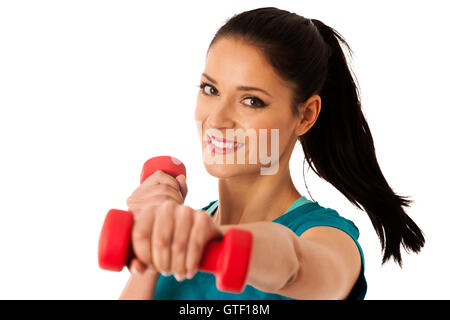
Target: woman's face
{"type": "Point", "coordinates": [224, 108]}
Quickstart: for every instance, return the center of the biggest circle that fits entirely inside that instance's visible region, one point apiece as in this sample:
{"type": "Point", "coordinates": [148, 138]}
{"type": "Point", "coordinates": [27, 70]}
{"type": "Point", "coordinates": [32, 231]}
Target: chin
{"type": "Point", "coordinates": [224, 171]}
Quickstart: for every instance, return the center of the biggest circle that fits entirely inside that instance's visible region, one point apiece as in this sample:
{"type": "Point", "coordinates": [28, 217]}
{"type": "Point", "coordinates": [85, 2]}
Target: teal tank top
{"type": "Point", "coordinates": [301, 215]}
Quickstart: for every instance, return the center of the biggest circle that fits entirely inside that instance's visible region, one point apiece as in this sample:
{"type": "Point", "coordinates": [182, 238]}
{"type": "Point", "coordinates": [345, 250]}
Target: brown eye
{"type": "Point", "coordinates": [255, 102]}
{"type": "Point", "coordinates": [212, 90]}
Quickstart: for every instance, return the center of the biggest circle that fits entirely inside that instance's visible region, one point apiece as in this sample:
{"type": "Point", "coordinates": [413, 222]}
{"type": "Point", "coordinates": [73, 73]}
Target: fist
{"type": "Point", "coordinates": [170, 238]}
{"type": "Point", "coordinates": [156, 189]}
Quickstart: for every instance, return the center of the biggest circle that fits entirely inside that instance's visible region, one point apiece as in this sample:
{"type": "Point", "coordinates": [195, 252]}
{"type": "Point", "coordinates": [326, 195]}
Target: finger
{"type": "Point", "coordinates": [160, 177]}
{"type": "Point", "coordinates": [136, 267]}
{"type": "Point", "coordinates": [157, 195]}
{"type": "Point", "coordinates": [183, 185]}
{"type": "Point", "coordinates": [203, 231]}
{"type": "Point", "coordinates": [183, 225]}
{"type": "Point", "coordinates": [164, 189]}
{"type": "Point", "coordinates": [141, 235]}
{"type": "Point", "coordinates": [162, 236]}
{"type": "Point", "coordinates": [161, 192]}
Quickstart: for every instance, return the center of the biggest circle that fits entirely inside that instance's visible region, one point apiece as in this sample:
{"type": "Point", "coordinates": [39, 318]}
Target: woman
{"type": "Point", "coordinates": [271, 69]}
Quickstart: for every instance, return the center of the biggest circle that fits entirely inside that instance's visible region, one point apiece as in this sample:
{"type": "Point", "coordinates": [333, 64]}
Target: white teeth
{"type": "Point", "coordinates": [223, 145]}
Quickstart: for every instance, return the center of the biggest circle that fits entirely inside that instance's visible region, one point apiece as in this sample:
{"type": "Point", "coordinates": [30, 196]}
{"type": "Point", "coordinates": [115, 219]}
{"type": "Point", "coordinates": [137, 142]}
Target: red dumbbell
{"type": "Point", "coordinates": [228, 258]}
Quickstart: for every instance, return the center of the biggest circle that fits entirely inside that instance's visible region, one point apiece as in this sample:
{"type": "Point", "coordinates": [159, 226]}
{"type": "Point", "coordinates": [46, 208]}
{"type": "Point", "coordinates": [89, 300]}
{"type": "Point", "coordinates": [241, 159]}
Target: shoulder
{"type": "Point", "coordinates": [313, 214]}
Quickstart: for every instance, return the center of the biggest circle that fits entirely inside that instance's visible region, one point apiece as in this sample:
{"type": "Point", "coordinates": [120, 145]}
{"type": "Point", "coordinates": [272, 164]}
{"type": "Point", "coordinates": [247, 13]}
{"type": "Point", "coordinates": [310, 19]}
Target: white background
{"type": "Point", "coordinates": [90, 89]}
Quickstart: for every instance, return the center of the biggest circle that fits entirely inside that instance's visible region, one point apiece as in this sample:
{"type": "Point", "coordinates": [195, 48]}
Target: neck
{"type": "Point", "coordinates": [255, 197]}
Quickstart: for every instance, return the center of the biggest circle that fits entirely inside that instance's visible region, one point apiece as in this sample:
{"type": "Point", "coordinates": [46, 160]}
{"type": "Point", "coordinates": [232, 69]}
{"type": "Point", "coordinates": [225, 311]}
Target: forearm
{"type": "Point", "coordinates": [140, 286]}
{"type": "Point", "coordinates": [273, 259]}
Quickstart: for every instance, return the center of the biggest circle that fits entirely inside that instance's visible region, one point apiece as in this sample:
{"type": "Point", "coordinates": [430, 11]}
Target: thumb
{"type": "Point", "coordinates": [183, 186]}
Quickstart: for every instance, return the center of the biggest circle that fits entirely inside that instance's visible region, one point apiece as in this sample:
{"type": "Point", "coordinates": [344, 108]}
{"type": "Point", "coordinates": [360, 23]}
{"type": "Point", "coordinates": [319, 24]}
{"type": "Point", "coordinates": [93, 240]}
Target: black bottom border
{"type": "Point", "coordinates": [218, 309]}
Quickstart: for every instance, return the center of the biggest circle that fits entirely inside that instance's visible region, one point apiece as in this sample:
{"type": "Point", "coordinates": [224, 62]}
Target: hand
{"type": "Point", "coordinates": [170, 238]}
{"type": "Point", "coordinates": [156, 189]}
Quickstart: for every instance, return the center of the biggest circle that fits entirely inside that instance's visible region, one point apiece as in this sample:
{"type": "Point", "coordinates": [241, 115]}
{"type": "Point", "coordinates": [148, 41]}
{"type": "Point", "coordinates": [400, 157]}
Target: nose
{"type": "Point", "coordinates": [220, 116]}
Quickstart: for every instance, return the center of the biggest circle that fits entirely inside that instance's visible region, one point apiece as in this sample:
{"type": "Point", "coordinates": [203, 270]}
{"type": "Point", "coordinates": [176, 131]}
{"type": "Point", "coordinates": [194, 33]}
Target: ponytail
{"type": "Point", "coordinates": [340, 149]}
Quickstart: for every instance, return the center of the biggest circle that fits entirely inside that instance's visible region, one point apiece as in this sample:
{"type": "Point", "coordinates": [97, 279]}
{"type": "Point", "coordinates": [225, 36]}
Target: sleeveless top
{"type": "Point", "coordinates": [300, 216]}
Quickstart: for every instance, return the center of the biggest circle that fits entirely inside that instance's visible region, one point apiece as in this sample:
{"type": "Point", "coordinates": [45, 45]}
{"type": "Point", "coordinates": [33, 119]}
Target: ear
{"type": "Point", "coordinates": [309, 112]}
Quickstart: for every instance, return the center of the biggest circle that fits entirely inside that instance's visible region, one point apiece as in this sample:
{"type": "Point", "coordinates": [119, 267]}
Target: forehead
{"type": "Point", "coordinates": [234, 62]}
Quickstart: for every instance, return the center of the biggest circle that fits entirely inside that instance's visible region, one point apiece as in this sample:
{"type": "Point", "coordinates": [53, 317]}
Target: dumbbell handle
{"type": "Point", "coordinates": [228, 258]}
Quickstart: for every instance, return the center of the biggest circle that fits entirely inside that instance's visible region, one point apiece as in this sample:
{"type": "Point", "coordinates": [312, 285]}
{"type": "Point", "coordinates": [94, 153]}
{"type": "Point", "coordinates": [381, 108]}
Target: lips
{"type": "Point", "coordinates": [222, 140]}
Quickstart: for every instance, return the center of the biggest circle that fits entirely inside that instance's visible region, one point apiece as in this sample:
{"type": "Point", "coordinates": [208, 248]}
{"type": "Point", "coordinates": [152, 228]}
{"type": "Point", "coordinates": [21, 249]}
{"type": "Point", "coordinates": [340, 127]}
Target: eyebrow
{"type": "Point", "coordinates": [244, 88]}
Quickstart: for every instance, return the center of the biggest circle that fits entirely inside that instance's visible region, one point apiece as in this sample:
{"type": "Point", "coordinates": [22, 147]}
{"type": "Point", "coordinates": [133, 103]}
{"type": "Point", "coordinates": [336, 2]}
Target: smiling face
{"type": "Point", "coordinates": [240, 93]}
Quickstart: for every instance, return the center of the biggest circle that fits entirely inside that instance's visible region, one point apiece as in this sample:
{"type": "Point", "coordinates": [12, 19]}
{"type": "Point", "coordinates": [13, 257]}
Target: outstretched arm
{"type": "Point", "coordinates": [323, 263]}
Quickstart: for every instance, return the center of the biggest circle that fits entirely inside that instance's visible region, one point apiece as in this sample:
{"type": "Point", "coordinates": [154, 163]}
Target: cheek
{"type": "Point", "coordinates": [277, 133]}
{"type": "Point", "coordinates": [200, 116]}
